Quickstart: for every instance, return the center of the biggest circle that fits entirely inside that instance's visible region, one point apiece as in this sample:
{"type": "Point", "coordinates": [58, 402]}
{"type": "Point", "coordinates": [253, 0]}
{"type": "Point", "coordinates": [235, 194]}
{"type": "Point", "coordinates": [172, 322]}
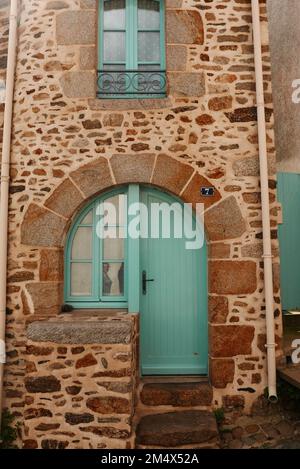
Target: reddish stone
{"type": "Point", "coordinates": [233, 402]}
{"type": "Point", "coordinates": [73, 390]}
{"type": "Point", "coordinates": [221, 373]}
{"type": "Point", "coordinates": [220, 103]}
{"type": "Point", "coordinates": [109, 432]}
{"type": "Point", "coordinates": [139, 147]}
{"type": "Point", "coordinates": [30, 444]}
{"type": "Point", "coordinates": [232, 277]}
{"type": "Point", "coordinates": [171, 174]}
{"type": "Point", "coordinates": [256, 378]}
{"type": "Point", "coordinates": [205, 119]}
{"type": "Point", "coordinates": [247, 114]}
{"type": "Point", "coordinates": [41, 227]}
{"type": "Point", "coordinates": [21, 276]}
{"type": "Point", "coordinates": [218, 309]}
{"type": "Point", "coordinates": [42, 384]}
{"type": "Point", "coordinates": [91, 124]}
{"type": "Point", "coordinates": [65, 199]}
{"type": "Point", "coordinates": [113, 120]}
{"type": "Point", "coordinates": [51, 266]}
{"type": "Point", "coordinates": [109, 405]}
{"type": "Point", "coordinates": [76, 419]}
{"type": "Point", "coordinates": [38, 350]}
{"type": "Point", "coordinates": [132, 168]}
{"type": "Point", "coordinates": [177, 394]}
{"type": "Point", "coordinates": [219, 251]}
{"type": "Point", "coordinates": [262, 340]}
{"type": "Point", "coordinates": [93, 177]}
{"type": "Point", "coordinates": [192, 193]}
{"type": "Point", "coordinates": [184, 27]}
{"type": "Point", "coordinates": [177, 429]}
{"type": "Point", "coordinates": [87, 360]}
{"type": "Point", "coordinates": [225, 220]}
{"type": "Point", "coordinates": [44, 427]}
{"type": "Point", "coordinates": [54, 444]}
{"type": "Point", "coordinates": [231, 340]}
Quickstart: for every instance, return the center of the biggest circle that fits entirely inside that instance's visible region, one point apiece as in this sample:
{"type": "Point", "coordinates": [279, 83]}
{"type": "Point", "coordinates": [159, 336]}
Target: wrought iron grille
{"type": "Point", "coordinates": [131, 83]}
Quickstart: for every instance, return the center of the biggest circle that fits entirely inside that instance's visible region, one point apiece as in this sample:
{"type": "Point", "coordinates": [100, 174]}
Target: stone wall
{"type": "Point", "coordinates": [69, 147]}
{"type": "Point", "coordinates": [80, 382]}
{"type": "Point", "coordinates": [4, 31]}
{"type": "Point", "coordinates": [285, 46]}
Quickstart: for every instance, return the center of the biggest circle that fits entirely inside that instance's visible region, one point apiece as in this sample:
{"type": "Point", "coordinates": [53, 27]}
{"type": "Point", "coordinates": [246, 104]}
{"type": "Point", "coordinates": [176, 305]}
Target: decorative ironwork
{"type": "Point", "coordinates": [131, 82]}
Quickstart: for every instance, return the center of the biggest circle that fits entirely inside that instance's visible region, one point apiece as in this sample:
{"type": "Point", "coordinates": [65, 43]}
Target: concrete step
{"type": "Point", "coordinates": [177, 394]}
{"type": "Point", "coordinates": [178, 429]}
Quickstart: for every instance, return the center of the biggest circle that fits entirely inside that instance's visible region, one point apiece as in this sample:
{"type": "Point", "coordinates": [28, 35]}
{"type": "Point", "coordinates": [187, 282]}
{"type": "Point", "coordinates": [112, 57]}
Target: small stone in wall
{"type": "Point", "coordinates": [76, 419]}
{"type": "Point", "coordinates": [109, 405]}
{"type": "Point", "coordinates": [43, 384]}
{"type": "Point", "coordinates": [205, 119]}
{"type": "Point", "coordinates": [87, 360]}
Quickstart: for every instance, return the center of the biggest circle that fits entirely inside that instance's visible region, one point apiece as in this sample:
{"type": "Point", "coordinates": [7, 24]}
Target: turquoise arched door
{"type": "Point", "coordinates": [153, 272]}
{"type": "Point", "coordinates": [173, 302]}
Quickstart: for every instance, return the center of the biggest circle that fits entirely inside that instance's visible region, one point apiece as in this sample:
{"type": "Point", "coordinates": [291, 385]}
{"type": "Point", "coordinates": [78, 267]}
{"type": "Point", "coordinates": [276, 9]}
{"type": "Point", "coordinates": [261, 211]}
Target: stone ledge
{"type": "Point", "coordinates": [81, 332]}
{"type": "Point", "coordinates": [129, 104]}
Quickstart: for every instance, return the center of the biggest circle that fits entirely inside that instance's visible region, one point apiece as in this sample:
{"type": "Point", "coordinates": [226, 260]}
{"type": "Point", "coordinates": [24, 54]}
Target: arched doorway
{"type": "Point", "coordinates": [138, 248]}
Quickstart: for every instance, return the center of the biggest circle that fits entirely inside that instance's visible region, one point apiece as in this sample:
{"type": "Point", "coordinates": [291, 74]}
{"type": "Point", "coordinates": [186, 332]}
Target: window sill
{"type": "Point", "coordinates": [126, 104]}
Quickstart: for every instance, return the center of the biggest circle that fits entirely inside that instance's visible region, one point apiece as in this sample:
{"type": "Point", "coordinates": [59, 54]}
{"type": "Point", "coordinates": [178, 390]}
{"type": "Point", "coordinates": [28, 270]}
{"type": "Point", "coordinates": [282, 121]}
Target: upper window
{"type": "Point", "coordinates": [131, 49]}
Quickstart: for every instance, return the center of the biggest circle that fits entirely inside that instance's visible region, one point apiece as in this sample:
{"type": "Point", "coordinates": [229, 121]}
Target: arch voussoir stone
{"type": "Point", "coordinates": [225, 220]}
{"type": "Point", "coordinates": [171, 174]}
{"type": "Point", "coordinates": [133, 168]}
{"type": "Point", "coordinates": [93, 177]}
{"type": "Point", "coordinates": [65, 199]}
{"type": "Point", "coordinates": [41, 227]}
{"type": "Point", "coordinates": [192, 193]}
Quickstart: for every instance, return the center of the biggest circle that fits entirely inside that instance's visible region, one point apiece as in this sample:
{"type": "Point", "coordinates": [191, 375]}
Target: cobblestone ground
{"type": "Point", "coordinates": [270, 427]}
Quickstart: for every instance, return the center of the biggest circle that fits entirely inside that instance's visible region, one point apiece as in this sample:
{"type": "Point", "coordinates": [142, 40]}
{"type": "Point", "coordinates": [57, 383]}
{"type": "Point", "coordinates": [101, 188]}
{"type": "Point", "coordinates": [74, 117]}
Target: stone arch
{"type": "Point", "coordinates": [46, 226]}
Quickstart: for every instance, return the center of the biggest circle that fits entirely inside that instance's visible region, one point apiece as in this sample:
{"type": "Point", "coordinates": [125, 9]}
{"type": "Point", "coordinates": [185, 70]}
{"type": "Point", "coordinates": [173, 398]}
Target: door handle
{"type": "Point", "coordinates": [145, 280]}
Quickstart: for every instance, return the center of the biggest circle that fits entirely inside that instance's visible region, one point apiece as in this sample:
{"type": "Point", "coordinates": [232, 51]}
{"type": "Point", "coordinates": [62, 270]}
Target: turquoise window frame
{"type": "Point", "coordinates": [97, 300]}
{"type": "Point", "coordinates": [131, 46]}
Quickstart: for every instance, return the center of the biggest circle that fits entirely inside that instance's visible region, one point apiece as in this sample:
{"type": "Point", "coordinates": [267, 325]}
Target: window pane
{"type": "Point", "coordinates": [113, 279]}
{"type": "Point", "coordinates": [81, 279]}
{"type": "Point", "coordinates": [114, 47]}
{"type": "Point", "coordinates": [148, 15]}
{"type": "Point", "coordinates": [88, 219]}
{"type": "Point", "coordinates": [114, 14]}
{"type": "Point", "coordinates": [113, 245]}
{"type": "Point", "coordinates": [149, 47]}
{"type": "Point", "coordinates": [115, 211]}
{"type": "Point", "coordinates": [82, 244]}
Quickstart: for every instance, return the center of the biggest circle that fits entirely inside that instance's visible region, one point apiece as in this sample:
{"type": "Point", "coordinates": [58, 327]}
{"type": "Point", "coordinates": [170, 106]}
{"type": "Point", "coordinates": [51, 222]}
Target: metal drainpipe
{"type": "Point", "coordinates": [5, 176]}
{"type": "Point", "coordinates": [265, 202]}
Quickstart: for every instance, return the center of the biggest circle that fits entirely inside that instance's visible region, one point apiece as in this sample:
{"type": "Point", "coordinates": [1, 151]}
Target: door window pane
{"type": "Point", "coordinates": [114, 14]}
{"type": "Point", "coordinates": [116, 213]}
{"type": "Point", "coordinates": [113, 244]}
{"type": "Point", "coordinates": [113, 279]}
{"type": "Point", "coordinates": [81, 279]}
{"type": "Point", "coordinates": [114, 46]}
{"type": "Point", "coordinates": [148, 14]}
{"type": "Point", "coordinates": [82, 244]}
{"type": "Point", "coordinates": [149, 47]}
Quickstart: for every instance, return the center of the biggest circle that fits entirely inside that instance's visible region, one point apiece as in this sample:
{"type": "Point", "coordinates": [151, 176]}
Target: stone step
{"type": "Point", "coordinates": [178, 429]}
{"type": "Point", "coordinates": [177, 394]}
